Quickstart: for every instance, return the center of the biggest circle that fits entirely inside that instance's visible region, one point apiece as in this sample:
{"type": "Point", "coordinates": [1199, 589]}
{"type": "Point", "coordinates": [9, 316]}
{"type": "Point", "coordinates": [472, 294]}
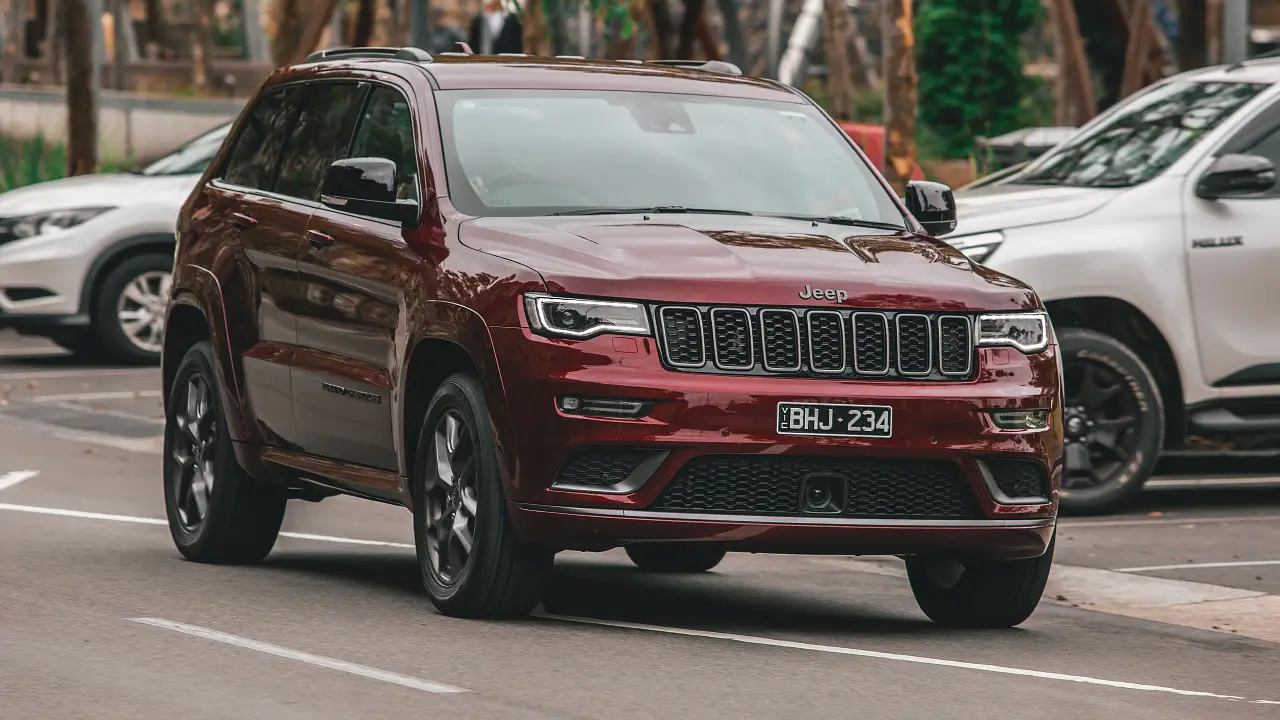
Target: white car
{"type": "Point", "coordinates": [85, 261]}
{"type": "Point", "coordinates": [1153, 236]}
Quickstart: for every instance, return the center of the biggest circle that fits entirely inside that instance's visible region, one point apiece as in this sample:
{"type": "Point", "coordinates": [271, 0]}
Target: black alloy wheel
{"type": "Point", "coordinates": [1113, 423]}
{"type": "Point", "coordinates": [451, 497]}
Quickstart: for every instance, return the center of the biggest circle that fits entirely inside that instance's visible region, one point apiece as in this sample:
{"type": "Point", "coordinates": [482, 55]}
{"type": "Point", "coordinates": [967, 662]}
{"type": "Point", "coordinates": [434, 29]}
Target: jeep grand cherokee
{"type": "Point", "coordinates": [554, 304]}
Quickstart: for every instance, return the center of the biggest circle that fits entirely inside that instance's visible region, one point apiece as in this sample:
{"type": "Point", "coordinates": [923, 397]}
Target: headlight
{"type": "Point", "coordinates": [1028, 332]}
{"type": "Point", "coordinates": [26, 226]}
{"type": "Point", "coordinates": [977, 247]}
{"type": "Point", "coordinates": [579, 318]}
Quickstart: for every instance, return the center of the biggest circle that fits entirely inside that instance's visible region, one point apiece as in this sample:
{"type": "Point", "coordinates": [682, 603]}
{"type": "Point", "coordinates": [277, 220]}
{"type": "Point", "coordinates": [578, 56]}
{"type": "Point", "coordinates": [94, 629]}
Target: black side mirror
{"type": "Point", "coordinates": [933, 205]}
{"type": "Point", "coordinates": [1236, 175]}
{"type": "Point", "coordinates": [367, 186]}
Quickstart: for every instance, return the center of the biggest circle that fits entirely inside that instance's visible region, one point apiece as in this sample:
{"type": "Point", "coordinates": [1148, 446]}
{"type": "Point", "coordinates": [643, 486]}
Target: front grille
{"type": "Point", "coordinates": [771, 485]}
{"type": "Point", "coordinates": [600, 467]}
{"type": "Point", "coordinates": [1018, 478]}
{"type": "Point", "coordinates": [816, 342]}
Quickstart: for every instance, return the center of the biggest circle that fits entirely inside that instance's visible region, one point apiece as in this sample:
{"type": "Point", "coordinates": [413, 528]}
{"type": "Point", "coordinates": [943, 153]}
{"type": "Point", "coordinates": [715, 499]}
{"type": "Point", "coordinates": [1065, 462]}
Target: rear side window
{"type": "Point", "coordinates": [253, 161]}
{"type": "Point", "coordinates": [320, 137]}
{"type": "Point", "coordinates": [386, 131]}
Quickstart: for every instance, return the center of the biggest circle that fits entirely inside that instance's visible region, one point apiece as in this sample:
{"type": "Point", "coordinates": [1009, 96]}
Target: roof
{"type": "Point", "coordinates": [1257, 71]}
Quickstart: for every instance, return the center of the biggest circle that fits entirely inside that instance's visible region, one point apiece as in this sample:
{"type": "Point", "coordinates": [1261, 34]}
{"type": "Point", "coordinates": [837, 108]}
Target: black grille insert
{"type": "Point", "coordinates": [1019, 479]}
{"type": "Point", "coordinates": [871, 343]}
{"type": "Point", "coordinates": [682, 336]}
{"type": "Point", "coordinates": [601, 467]}
{"type": "Point", "coordinates": [772, 484]}
{"type": "Point", "coordinates": [731, 333]}
{"type": "Point", "coordinates": [914, 345]}
{"type": "Point", "coordinates": [826, 341]}
{"type": "Point", "coordinates": [955, 348]}
{"type": "Point", "coordinates": [781, 340]}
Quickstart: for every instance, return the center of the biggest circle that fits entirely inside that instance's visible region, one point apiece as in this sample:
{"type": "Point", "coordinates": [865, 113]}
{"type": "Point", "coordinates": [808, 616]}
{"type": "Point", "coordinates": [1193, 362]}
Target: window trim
{"type": "Point", "coordinates": [362, 96]}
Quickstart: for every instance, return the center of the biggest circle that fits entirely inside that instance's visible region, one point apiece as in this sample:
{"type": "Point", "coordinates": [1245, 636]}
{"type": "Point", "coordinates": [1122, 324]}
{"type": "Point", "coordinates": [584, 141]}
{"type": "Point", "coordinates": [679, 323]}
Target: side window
{"type": "Point", "coordinates": [320, 136]}
{"type": "Point", "coordinates": [253, 161]}
{"type": "Point", "coordinates": [1268, 146]}
{"type": "Point", "coordinates": [386, 131]}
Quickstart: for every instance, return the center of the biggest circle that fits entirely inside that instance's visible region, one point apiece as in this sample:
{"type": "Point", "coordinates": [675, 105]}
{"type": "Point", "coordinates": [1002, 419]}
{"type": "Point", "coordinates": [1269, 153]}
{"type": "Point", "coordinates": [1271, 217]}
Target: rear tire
{"type": "Point", "coordinates": [473, 564]}
{"type": "Point", "coordinates": [979, 593]}
{"type": "Point", "coordinates": [138, 290]}
{"type": "Point", "coordinates": [237, 520]}
{"type": "Point", "coordinates": [675, 557]}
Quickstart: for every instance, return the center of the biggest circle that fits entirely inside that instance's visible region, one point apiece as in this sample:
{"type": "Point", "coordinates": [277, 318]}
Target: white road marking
{"type": "Point", "coordinates": [35, 352]}
{"type": "Point", "coordinates": [897, 657]}
{"type": "Point", "coordinates": [1180, 566]}
{"type": "Point", "coordinates": [83, 515]}
{"type": "Point", "coordinates": [88, 372]}
{"type": "Point", "coordinates": [310, 659]}
{"type": "Point", "coordinates": [8, 480]}
{"type": "Point", "coordinates": [1242, 481]}
{"type": "Point", "coordinates": [1081, 524]}
{"type": "Point", "coordinates": [81, 397]}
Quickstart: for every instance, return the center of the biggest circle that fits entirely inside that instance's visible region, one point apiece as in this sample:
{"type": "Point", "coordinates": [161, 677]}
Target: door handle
{"type": "Point", "coordinates": [241, 220]}
{"type": "Point", "coordinates": [319, 240]}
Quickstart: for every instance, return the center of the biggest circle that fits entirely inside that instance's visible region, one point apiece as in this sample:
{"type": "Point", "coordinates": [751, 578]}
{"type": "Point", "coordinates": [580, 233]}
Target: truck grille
{"type": "Point", "coordinates": [772, 484]}
{"type": "Point", "coordinates": [816, 342]}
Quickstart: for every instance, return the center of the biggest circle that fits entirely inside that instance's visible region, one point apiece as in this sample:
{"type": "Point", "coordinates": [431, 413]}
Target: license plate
{"type": "Point", "coordinates": [828, 420]}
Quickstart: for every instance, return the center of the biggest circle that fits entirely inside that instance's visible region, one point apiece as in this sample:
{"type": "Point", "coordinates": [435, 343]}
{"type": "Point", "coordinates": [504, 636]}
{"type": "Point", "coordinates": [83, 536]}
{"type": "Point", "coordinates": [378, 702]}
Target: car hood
{"type": "Point", "coordinates": [106, 190]}
{"type": "Point", "coordinates": [1004, 206]}
{"type": "Point", "coordinates": [744, 260]}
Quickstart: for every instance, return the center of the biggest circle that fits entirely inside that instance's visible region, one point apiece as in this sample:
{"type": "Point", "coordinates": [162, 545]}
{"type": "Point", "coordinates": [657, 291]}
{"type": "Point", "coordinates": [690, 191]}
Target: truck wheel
{"type": "Point", "coordinates": [675, 557]}
{"type": "Point", "coordinates": [128, 312]}
{"type": "Point", "coordinates": [1113, 419]}
{"type": "Point", "coordinates": [473, 564]}
{"type": "Point", "coordinates": [979, 593]}
{"type": "Point", "coordinates": [217, 513]}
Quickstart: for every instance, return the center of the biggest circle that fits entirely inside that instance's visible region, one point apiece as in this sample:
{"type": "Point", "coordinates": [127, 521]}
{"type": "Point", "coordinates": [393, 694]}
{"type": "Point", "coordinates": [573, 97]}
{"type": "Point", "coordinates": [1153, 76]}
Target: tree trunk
{"type": "Point", "coordinates": [689, 28]}
{"type": "Point", "coordinates": [1193, 49]}
{"type": "Point", "coordinates": [364, 23]}
{"type": "Point", "coordinates": [836, 30]}
{"type": "Point", "coordinates": [82, 110]}
{"type": "Point", "coordinates": [537, 33]}
{"type": "Point", "coordinates": [733, 32]}
{"type": "Point", "coordinates": [153, 20]}
{"type": "Point", "coordinates": [202, 48]}
{"type": "Point", "coordinates": [899, 93]}
{"type": "Point", "coordinates": [15, 45]}
{"type": "Point", "coordinates": [298, 34]}
{"type": "Point", "coordinates": [1136, 56]}
{"type": "Point", "coordinates": [661, 15]}
{"type": "Point", "coordinates": [707, 39]}
{"type": "Point", "coordinates": [1079, 104]}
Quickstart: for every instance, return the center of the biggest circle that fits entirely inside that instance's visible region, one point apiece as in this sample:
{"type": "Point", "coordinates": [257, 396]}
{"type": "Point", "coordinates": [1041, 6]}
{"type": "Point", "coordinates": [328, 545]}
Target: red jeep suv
{"type": "Point", "coordinates": [555, 304]}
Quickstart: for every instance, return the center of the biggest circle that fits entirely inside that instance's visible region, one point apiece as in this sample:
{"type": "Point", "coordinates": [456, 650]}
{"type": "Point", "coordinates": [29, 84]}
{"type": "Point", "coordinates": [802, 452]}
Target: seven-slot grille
{"type": "Point", "coordinates": [816, 342]}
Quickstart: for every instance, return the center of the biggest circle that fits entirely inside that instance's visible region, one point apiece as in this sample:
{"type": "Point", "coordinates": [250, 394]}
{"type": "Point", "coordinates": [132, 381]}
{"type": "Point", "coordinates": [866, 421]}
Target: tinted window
{"type": "Point", "coordinates": [1142, 137]}
{"type": "Point", "coordinates": [386, 131]}
{"type": "Point", "coordinates": [253, 162]}
{"type": "Point", "coordinates": [320, 136]}
{"type": "Point", "coordinates": [527, 152]}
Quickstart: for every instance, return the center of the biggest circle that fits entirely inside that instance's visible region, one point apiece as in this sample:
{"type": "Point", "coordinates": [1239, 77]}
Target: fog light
{"type": "Point", "coordinates": [604, 407]}
{"type": "Point", "coordinates": [569, 404]}
{"type": "Point", "coordinates": [1020, 419]}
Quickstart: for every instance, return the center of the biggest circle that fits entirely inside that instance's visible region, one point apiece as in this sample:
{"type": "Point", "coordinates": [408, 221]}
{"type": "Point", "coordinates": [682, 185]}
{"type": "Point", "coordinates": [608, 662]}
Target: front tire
{"type": "Point", "coordinates": [675, 557]}
{"type": "Point", "coordinates": [217, 513]}
{"type": "Point", "coordinates": [1114, 423]}
{"type": "Point", "coordinates": [128, 312]}
{"type": "Point", "coordinates": [473, 564]}
{"type": "Point", "coordinates": [979, 593]}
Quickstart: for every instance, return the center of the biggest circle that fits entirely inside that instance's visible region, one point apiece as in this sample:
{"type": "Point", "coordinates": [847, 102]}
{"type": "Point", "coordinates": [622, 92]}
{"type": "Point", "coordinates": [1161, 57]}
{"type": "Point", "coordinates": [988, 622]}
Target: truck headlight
{"type": "Point", "coordinates": [1028, 332]}
{"type": "Point", "coordinates": [581, 318]}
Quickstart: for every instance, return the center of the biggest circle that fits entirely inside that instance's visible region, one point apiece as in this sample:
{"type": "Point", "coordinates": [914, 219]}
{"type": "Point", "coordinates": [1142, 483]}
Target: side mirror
{"type": "Point", "coordinates": [1236, 175]}
{"type": "Point", "coordinates": [933, 205]}
{"type": "Point", "coordinates": [367, 186]}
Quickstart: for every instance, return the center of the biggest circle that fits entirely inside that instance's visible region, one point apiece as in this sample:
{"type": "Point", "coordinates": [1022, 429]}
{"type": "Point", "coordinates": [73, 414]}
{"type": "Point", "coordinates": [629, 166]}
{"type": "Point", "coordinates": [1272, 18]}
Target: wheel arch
{"type": "Point", "coordinates": [111, 258]}
{"type": "Point", "coordinates": [185, 326]}
{"type": "Point", "coordinates": [1132, 327]}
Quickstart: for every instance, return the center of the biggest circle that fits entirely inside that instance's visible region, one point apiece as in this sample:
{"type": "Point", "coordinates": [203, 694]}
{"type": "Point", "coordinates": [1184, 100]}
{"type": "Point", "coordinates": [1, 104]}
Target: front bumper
{"type": "Point", "coordinates": [697, 415]}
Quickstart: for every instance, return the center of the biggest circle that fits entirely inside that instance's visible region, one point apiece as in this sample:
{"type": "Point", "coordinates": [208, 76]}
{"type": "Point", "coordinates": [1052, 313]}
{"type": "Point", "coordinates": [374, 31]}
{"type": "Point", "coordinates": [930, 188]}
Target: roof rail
{"type": "Point", "coordinates": [410, 54]}
{"type": "Point", "coordinates": [461, 48]}
{"type": "Point", "coordinates": [716, 66]}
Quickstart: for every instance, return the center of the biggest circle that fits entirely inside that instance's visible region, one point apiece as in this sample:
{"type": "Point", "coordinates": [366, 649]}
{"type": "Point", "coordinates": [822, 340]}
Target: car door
{"type": "Point", "coordinates": [1233, 252]}
{"type": "Point", "coordinates": [359, 268]}
{"type": "Point", "coordinates": [260, 235]}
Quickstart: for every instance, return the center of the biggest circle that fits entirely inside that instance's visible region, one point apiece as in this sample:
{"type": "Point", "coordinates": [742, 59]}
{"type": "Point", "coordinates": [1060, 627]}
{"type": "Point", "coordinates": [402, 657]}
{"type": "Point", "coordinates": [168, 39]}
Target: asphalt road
{"type": "Point", "coordinates": [1171, 610]}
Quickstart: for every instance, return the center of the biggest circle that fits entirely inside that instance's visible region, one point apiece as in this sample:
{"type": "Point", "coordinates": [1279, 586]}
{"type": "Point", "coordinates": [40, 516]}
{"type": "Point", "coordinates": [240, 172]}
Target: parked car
{"type": "Point", "coordinates": [1151, 237]}
{"type": "Point", "coordinates": [86, 261]}
{"type": "Point", "coordinates": [553, 304]}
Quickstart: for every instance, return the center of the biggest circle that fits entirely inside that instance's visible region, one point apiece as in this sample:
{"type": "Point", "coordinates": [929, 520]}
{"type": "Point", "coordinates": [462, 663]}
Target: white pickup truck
{"type": "Point", "coordinates": [1153, 235]}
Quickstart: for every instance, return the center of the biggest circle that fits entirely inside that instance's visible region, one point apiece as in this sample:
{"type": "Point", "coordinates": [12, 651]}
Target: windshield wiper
{"type": "Point", "coordinates": [843, 220]}
{"type": "Point", "coordinates": [657, 209]}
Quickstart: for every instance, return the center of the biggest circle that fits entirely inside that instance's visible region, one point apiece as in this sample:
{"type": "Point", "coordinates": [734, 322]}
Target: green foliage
{"type": "Point", "coordinates": [971, 69]}
{"type": "Point", "coordinates": [620, 12]}
{"type": "Point", "coordinates": [27, 161]}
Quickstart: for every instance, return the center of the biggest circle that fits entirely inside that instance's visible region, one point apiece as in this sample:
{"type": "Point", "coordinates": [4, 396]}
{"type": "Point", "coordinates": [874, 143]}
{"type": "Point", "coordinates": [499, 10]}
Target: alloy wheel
{"type": "Point", "coordinates": [1102, 420]}
{"type": "Point", "coordinates": [193, 451]}
{"type": "Point", "coordinates": [140, 310]}
{"type": "Point", "coordinates": [451, 498]}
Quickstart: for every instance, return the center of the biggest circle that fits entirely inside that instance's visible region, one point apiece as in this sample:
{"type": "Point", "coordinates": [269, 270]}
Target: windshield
{"type": "Point", "coordinates": [1143, 137]}
{"type": "Point", "coordinates": [192, 158]}
{"type": "Point", "coordinates": [526, 152]}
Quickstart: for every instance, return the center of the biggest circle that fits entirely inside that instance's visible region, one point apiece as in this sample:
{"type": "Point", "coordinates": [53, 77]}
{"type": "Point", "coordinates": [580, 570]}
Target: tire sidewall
{"type": "Point", "coordinates": [105, 317]}
{"type": "Point", "coordinates": [1090, 346]}
{"type": "Point", "coordinates": [463, 394]}
{"type": "Point", "coordinates": [198, 360]}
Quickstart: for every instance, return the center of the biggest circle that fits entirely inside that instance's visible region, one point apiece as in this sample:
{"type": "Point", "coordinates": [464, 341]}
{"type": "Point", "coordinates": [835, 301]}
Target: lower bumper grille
{"type": "Point", "coordinates": [1019, 479]}
{"type": "Point", "coordinates": [859, 487]}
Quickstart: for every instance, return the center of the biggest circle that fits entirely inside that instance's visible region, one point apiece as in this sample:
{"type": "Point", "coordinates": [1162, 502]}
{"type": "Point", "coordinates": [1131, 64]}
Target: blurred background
{"type": "Point", "coordinates": [967, 87]}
